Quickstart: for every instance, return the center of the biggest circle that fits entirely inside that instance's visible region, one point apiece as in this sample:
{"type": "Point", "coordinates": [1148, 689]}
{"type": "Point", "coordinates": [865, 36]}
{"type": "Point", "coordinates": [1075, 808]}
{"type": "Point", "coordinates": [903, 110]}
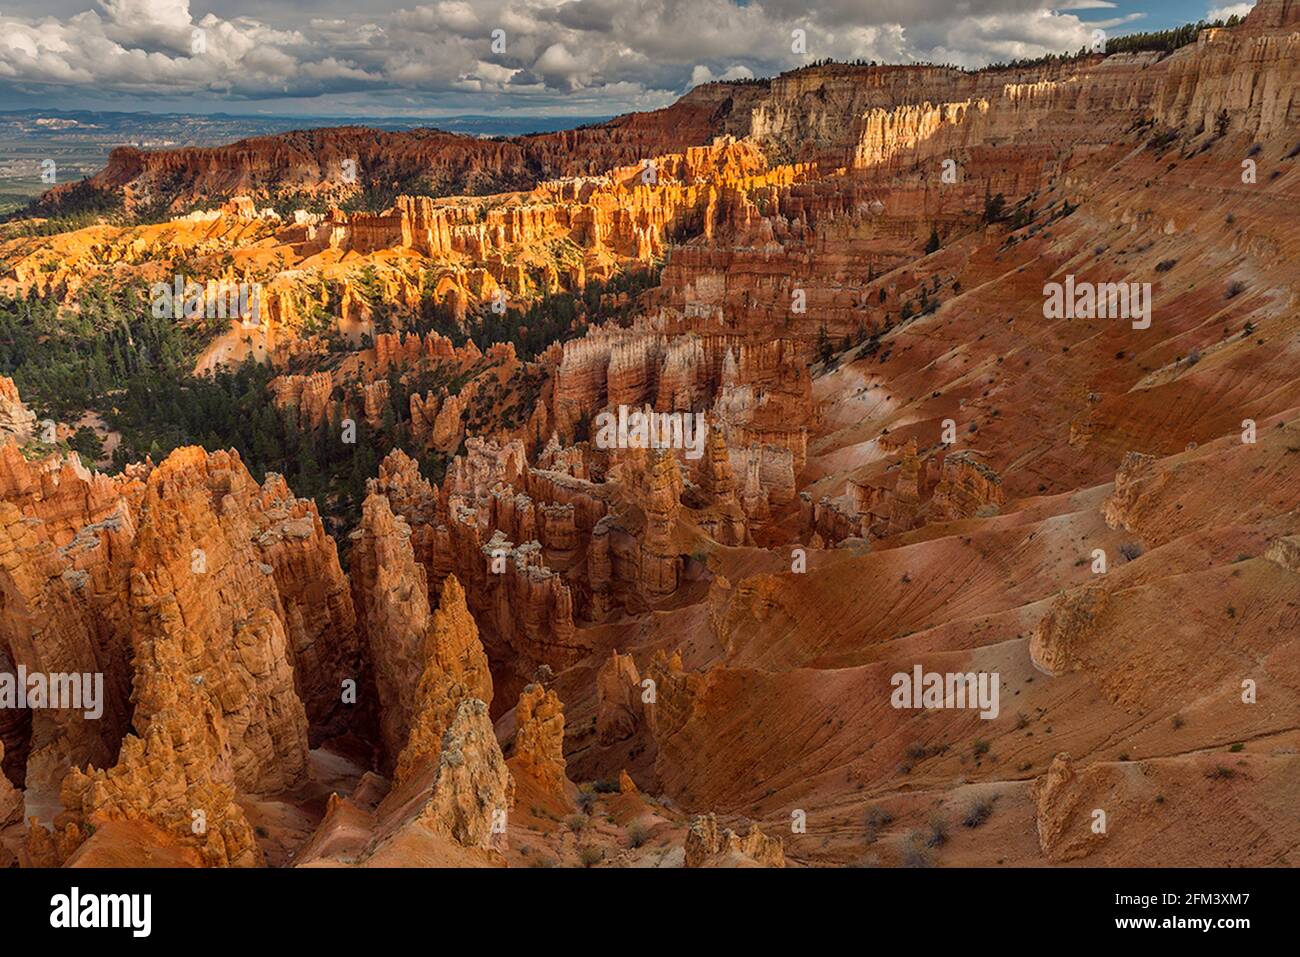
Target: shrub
{"type": "Point", "coordinates": [916, 856]}
{"type": "Point", "coordinates": [1130, 551]}
{"type": "Point", "coordinates": [995, 208]}
{"type": "Point", "coordinates": [978, 812]}
{"type": "Point", "coordinates": [590, 855]}
{"type": "Point", "coordinates": [1163, 140]}
{"type": "Point", "coordinates": [636, 835]}
{"type": "Point", "coordinates": [937, 833]}
{"type": "Point", "coordinates": [877, 816]}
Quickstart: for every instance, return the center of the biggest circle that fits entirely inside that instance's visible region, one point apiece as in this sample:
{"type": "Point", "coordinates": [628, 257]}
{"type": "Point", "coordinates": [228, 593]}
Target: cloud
{"type": "Point", "coordinates": [1231, 10]}
{"type": "Point", "coordinates": [557, 66]}
{"type": "Point", "coordinates": [559, 56]}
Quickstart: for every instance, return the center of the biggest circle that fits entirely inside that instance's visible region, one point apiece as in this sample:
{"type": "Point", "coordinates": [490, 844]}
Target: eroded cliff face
{"type": "Point", "coordinates": [431, 159]}
{"type": "Point", "coordinates": [208, 604]}
{"type": "Point", "coordinates": [455, 668]}
{"type": "Point", "coordinates": [539, 739]}
{"type": "Point", "coordinates": [903, 464]}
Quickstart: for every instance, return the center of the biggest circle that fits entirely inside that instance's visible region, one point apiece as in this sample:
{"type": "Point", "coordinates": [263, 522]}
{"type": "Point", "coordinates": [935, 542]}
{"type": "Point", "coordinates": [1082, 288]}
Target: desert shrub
{"type": "Point", "coordinates": [978, 812]}
{"type": "Point", "coordinates": [636, 835]}
{"type": "Point", "coordinates": [914, 853]}
{"type": "Point", "coordinates": [877, 820]}
{"type": "Point", "coordinates": [1130, 551]}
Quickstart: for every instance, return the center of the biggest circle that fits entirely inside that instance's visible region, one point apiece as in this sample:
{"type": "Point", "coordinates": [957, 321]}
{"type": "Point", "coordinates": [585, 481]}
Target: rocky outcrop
{"type": "Point", "coordinates": [1059, 643]}
{"type": "Point", "coordinates": [64, 612]}
{"type": "Point", "coordinates": [473, 787]}
{"type": "Point", "coordinates": [319, 617]}
{"type": "Point", "coordinates": [707, 845]}
{"type": "Point", "coordinates": [1285, 552]}
{"type": "Point", "coordinates": [216, 710]}
{"type": "Point", "coordinates": [659, 553]}
{"type": "Point", "coordinates": [625, 783]}
{"type": "Point", "coordinates": [196, 555]}
{"type": "Point", "coordinates": [1137, 476]}
{"type": "Point", "coordinates": [455, 668]}
{"type": "Point", "coordinates": [676, 691]}
{"type": "Point", "coordinates": [618, 699]}
{"type": "Point", "coordinates": [391, 595]}
{"type": "Point", "coordinates": [539, 739]}
{"type": "Point", "coordinates": [16, 419]}
{"type": "Point", "coordinates": [967, 488]}
{"type": "Point", "coordinates": [1065, 801]}
{"type": "Point", "coordinates": [907, 489]}
{"type": "Point", "coordinates": [11, 799]}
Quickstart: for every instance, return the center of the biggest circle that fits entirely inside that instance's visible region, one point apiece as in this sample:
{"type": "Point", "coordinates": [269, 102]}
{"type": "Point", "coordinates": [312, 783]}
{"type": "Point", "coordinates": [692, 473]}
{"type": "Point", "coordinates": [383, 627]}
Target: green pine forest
{"type": "Point", "coordinates": [112, 356]}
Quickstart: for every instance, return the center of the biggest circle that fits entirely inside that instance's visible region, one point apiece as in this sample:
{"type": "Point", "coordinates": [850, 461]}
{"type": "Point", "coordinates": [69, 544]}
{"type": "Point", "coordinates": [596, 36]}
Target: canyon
{"type": "Point", "coordinates": [554, 651]}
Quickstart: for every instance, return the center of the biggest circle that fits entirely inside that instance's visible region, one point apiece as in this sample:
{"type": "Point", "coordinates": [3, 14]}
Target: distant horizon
{"type": "Point", "coordinates": [348, 119]}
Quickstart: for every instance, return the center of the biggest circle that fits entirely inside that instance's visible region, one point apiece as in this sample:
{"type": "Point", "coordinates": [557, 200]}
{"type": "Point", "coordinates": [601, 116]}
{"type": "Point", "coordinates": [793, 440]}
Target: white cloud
{"type": "Point", "coordinates": [602, 56]}
{"type": "Point", "coordinates": [1231, 10]}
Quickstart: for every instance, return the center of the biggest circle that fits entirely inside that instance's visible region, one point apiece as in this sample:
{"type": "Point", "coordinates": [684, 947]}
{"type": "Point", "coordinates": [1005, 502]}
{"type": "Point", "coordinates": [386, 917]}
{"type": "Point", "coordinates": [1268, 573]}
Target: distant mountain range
{"type": "Point", "coordinates": [192, 129]}
{"type": "Point", "coordinates": [79, 141]}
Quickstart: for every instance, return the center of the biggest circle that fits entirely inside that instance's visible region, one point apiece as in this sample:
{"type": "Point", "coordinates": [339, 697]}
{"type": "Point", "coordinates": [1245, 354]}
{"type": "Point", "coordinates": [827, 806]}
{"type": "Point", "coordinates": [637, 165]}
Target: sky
{"type": "Point", "coordinates": [502, 57]}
